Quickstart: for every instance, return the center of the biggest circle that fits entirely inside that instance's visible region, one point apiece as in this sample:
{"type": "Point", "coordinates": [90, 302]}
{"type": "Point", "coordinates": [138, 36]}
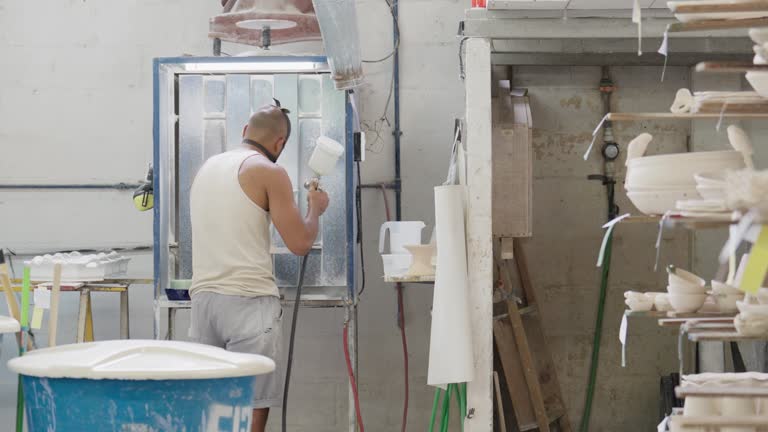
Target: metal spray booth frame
{"type": "Point", "coordinates": [166, 72]}
{"type": "Point", "coordinates": [492, 41]}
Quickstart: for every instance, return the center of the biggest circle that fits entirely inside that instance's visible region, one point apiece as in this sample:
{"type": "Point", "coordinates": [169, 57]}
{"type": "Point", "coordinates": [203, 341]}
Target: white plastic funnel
{"type": "Point", "coordinates": [327, 152]}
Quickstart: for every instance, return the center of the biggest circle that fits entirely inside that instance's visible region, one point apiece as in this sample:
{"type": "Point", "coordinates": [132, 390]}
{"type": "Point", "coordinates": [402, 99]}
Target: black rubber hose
{"type": "Point", "coordinates": [290, 344]}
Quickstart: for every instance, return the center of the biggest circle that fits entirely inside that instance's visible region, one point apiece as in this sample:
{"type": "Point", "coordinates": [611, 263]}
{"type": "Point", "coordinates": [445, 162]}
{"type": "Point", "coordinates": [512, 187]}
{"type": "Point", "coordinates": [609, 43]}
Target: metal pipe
{"type": "Point", "coordinates": [391, 185]}
{"type": "Point", "coordinates": [397, 132]}
{"type": "Point", "coordinates": [117, 186]}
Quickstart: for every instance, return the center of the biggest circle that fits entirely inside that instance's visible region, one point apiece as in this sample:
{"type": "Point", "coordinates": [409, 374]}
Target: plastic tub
{"type": "Point", "coordinates": [137, 385]}
{"type": "Point", "coordinates": [396, 265]}
{"type": "Point", "coordinates": [338, 25]}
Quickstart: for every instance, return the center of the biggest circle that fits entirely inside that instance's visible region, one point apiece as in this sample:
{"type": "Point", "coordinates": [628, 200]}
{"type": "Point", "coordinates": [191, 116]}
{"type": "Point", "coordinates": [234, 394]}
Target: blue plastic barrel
{"type": "Point", "coordinates": [139, 386]}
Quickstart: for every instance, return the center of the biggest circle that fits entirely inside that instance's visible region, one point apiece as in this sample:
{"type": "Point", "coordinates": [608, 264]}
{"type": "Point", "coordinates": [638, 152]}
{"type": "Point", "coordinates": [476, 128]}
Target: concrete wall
{"type": "Point", "coordinates": [76, 107]}
{"type": "Point", "coordinates": [568, 212]}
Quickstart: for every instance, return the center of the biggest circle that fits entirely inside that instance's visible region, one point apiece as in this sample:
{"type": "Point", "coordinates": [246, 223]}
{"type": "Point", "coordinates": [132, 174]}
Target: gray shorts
{"type": "Point", "coordinates": [246, 325]}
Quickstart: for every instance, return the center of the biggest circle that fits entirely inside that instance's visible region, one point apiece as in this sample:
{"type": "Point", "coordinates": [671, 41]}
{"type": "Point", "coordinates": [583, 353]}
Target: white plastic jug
{"type": "Point", "coordinates": [400, 234]}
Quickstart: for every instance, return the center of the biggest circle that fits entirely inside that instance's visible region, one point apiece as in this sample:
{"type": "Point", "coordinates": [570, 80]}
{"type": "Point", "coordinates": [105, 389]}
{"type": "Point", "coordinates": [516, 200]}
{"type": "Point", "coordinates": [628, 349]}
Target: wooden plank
{"type": "Point", "coordinates": [521, 263]}
{"type": "Point", "coordinates": [753, 6]}
{"type": "Point", "coordinates": [723, 336]}
{"type": "Point", "coordinates": [720, 24]}
{"type": "Point", "coordinates": [670, 116]}
{"type": "Point", "coordinates": [719, 421]}
{"type": "Point", "coordinates": [499, 403]}
{"type": "Point", "coordinates": [512, 170]}
{"type": "Point", "coordinates": [729, 67]}
{"type": "Point", "coordinates": [509, 355]}
{"type": "Point", "coordinates": [677, 322]}
{"type": "Point", "coordinates": [526, 357]}
{"type": "Point", "coordinates": [53, 318]}
{"type": "Point", "coordinates": [720, 391]}
{"type": "Point", "coordinates": [507, 248]}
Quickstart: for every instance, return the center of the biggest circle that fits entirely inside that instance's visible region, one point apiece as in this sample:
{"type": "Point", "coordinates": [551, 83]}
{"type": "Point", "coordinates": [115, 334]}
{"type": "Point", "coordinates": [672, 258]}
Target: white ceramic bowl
{"type": "Point", "coordinates": [681, 276]}
{"type": "Point", "coordinates": [660, 201]}
{"type": "Point", "coordinates": [750, 327]}
{"type": "Point", "coordinates": [762, 296]}
{"type": "Point", "coordinates": [678, 169]}
{"type": "Point", "coordinates": [639, 305]}
{"type": "Point", "coordinates": [726, 303]}
{"type": "Point", "coordinates": [759, 82]}
{"type": "Point", "coordinates": [661, 303]}
{"type": "Point", "coordinates": [749, 310]}
{"type": "Point", "coordinates": [686, 289]}
{"type": "Point", "coordinates": [710, 179]}
{"type": "Point", "coordinates": [759, 35]}
{"type": "Point", "coordinates": [686, 303]}
{"type": "Point", "coordinates": [723, 288]}
{"type": "Point", "coordinates": [711, 192]}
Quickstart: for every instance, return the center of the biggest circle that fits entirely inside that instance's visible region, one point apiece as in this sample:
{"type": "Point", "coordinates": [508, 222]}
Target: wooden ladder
{"type": "Point", "coordinates": [528, 369]}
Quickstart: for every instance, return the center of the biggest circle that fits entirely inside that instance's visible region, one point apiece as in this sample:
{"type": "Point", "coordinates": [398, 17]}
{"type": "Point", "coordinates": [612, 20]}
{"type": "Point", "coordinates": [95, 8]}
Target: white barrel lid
{"type": "Point", "coordinates": [9, 325]}
{"type": "Point", "coordinates": [140, 360]}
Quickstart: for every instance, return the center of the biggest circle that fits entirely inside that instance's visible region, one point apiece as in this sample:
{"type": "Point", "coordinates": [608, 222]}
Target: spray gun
{"type": "Point", "coordinates": [323, 160]}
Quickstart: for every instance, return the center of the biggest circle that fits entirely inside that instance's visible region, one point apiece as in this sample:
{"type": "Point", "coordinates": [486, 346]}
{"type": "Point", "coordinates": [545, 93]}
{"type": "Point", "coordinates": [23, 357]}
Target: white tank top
{"type": "Point", "coordinates": [230, 233]}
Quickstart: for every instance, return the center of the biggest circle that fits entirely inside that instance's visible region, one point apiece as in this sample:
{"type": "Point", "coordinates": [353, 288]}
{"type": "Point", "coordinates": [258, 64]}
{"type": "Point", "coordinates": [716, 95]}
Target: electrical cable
{"type": "Point", "coordinates": [351, 372]}
{"type": "Point", "coordinates": [598, 335]}
{"type": "Point", "coordinates": [359, 206]}
{"type": "Point", "coordinates": [401, 325]}
{"type": "Point", "coordinates": [292, 340]}
{"type": "Point", "coordinates": [397, 33]}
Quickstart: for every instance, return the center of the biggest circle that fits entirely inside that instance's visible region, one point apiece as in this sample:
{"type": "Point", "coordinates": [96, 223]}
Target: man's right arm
{"type": "Point", "coordinates": [298, 233]}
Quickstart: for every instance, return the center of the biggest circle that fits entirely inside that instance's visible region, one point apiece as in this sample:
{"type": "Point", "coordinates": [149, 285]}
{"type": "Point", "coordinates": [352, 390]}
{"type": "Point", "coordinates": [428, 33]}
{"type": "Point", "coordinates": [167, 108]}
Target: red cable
{"type": "Point", "coordinates": [401, 324]}
{"type": "Point", "coordinates": [352, 381]}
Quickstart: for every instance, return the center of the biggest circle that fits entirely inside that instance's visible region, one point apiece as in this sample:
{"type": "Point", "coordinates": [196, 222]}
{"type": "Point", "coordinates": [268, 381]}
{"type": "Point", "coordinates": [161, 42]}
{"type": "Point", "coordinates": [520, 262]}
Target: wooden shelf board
{"type": "Point", "coordinates": [719, 421]}
{"type": "Point", "coordinates": [719, 24]}
{"type": "Point", "coordinates": [692, 223]}
{"type": "Point", "coordinates": [729, 67]}
{"type": "Point", "coordinates": [719, 391]}
{"type": "Point", "coordinates": [410, 279]}
{"type": "Point", "coordinates": [686, 116]}
{"type": "Point", "coordinates": [722, 336]}
{"type": "Point", "coordinates": [719, 319]}
{"type": "Point", "coordinates": [751, 6]}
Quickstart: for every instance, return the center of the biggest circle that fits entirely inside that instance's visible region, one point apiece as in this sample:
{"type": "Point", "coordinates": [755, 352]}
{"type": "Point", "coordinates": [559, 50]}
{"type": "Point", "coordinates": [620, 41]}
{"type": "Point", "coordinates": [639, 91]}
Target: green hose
{"type": "Point", "coordinates": [598, 334]}
{"type": "Point", "coordinates": [19, 405]}
{"type": "Point", "coordinates": [446, 408]}
{"type": "Point", "coordinates": [434, 410]}
{"type": "Point", "coordinates": [445, 416]}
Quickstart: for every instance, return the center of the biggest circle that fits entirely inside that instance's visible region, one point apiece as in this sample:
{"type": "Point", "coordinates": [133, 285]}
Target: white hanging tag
{"type": "Point", "coordinates": [662, 223]}
{"type": "Point", "coordinates": [355, 112]}
{"type": "Point", "coordinates": [637, 18]}
{"type": "Point", "coordinates": [594, 136]}
{"type": "Point", "coordinates": [722, 115]}
{"type": "Point", "coordinates": [736, 236]}
{"type": "Point", "coordinates": [42, 298]}
{"type": "Point", "coordinates": [664, 50]}
{"type": "Point", "coordinates": [663, 425]}
{"type": "Point", "coordinates": [610, 225]}
{"type": "Point", "coordinates": [623, 340]}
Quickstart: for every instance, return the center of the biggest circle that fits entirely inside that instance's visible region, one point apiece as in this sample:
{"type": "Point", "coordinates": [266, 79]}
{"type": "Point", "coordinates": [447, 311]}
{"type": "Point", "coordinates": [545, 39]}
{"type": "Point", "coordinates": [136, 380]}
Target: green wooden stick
{"type": "Point", "coordinates": [25, 298]}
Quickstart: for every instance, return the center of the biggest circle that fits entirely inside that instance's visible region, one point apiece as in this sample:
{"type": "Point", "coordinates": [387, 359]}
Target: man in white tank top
{"type": "Point", "coordinates": [235, 195]}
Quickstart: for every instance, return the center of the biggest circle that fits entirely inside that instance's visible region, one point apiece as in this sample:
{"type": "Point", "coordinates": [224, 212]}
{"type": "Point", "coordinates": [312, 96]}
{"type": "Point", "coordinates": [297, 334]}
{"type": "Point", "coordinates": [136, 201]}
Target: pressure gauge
{"type": "Point", "coordinates": [610, 151]}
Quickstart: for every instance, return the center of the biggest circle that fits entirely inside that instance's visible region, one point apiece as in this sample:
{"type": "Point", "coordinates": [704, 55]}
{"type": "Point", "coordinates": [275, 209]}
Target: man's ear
{"type": "Point", "coordinates": [245, 128]}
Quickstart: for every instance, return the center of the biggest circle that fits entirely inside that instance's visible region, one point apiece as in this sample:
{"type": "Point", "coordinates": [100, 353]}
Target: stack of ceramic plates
{"type": "Point", "coordinates": [678, 8]}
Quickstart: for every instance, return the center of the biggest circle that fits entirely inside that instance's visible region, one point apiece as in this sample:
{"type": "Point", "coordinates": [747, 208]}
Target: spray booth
{"type": "Point", "coordinates": [201, 106]}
